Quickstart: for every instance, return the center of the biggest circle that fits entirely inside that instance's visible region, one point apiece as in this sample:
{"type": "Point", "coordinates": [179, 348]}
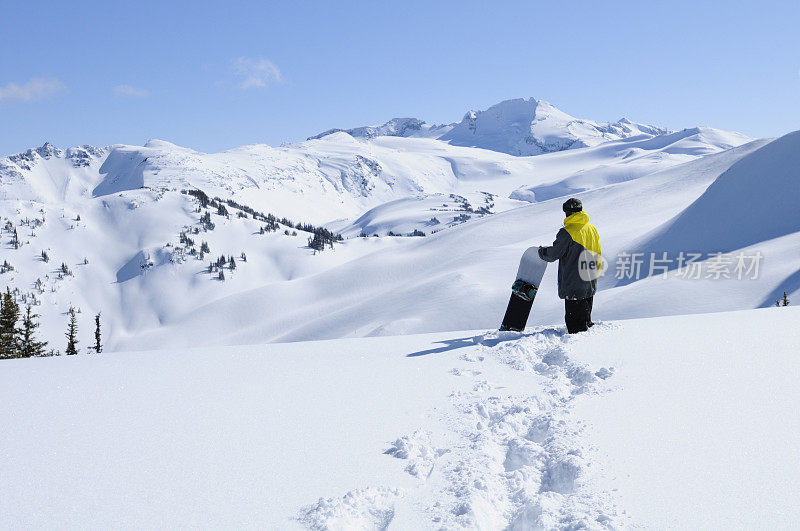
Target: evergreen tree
{"type": "Point", "coordinates": [221, 274]}
{"type": "Point", "coordinates": [98, 347]}
{"type": "Point", "coordinates": [232, 263]}
{"type": "Point", "coordinates": [785, 300]}
{"type": "Point", "coordinates": [29, 346]}
{"type": "Point", "coordinates": [72, 333]}
{"type": "Point", "coordinates": [9, 333]}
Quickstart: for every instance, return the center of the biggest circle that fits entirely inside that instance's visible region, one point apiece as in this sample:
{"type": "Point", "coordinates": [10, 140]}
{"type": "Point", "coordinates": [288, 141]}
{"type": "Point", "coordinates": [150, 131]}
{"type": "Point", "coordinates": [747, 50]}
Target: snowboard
{"type": "Point", "coordinates": [523, 291]}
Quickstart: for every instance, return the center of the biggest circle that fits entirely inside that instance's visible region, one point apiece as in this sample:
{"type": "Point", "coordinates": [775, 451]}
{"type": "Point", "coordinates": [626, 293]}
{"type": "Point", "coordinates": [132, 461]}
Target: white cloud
{"type": "Point", "coordinates": [133, 92]}
{"type": "Point", "coordinates": [34, 89]}
{"type": "Point", "coordinates": [256, 72]}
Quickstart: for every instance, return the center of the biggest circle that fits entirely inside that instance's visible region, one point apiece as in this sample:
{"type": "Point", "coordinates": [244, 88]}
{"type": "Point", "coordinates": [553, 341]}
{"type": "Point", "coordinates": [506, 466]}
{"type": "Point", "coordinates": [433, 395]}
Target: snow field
{"type": "Point", "coordinates": [677, 421]}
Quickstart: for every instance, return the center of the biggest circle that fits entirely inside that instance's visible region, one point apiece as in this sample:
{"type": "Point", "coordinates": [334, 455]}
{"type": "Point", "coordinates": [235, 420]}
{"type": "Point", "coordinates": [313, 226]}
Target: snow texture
{"type": "Point", "coordinates": [644, 423]}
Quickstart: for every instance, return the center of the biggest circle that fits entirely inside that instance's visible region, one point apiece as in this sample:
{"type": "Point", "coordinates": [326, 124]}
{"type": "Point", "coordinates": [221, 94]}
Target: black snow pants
{"type": "Point", "coordinates": [578, 314]}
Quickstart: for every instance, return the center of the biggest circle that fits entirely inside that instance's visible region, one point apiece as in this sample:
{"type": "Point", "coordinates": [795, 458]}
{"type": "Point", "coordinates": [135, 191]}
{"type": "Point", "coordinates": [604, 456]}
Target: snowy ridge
{"type": "Point", "coordinates": [395, 127]}
{"type": "Point", "coordinates": [518, 127]}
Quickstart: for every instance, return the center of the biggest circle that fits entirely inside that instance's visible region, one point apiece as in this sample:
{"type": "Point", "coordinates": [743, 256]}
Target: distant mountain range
{"type": "Point", "coordinates": [518, 127]}
{"type": "Point", "coordinates": [110, 229]}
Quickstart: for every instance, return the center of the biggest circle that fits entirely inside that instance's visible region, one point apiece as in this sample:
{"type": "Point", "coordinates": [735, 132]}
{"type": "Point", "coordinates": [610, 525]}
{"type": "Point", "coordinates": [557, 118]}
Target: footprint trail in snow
{"type": "Point", "coordinates": [503, 461]}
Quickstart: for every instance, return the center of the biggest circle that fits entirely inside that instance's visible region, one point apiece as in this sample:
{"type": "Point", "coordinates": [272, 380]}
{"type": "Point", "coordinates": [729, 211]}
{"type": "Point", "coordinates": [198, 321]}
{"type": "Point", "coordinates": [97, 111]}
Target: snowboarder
{"type": "Point", "coordinates": [577, 249]}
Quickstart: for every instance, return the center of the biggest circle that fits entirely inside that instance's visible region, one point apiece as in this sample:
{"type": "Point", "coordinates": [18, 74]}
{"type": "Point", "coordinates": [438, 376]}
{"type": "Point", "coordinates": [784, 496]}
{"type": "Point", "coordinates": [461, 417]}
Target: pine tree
{"type": "Point", "coordinates": [785, 300]}
{"type": "Point", "coordinates": [28, 344]}
{"type": "Point", "coordinates": [98, 347]}
{"type": "Point", "coordinates": [232, 263]}
{"type": "Point", "coordinates": [221, 274]}
{"type": "Point", "coordinates": [9, 333]}
{"type": "Point", "coordinates": [72, 333]}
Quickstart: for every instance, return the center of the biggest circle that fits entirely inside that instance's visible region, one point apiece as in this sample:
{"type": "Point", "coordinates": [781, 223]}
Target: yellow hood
{"type": "Point", "coordinates": [583, 232]}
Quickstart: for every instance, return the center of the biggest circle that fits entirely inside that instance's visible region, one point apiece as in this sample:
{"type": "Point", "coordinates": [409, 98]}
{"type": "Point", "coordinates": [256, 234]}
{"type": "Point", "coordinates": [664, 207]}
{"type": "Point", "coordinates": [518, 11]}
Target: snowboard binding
{"type": "Point", "coordinates": [524, 290]}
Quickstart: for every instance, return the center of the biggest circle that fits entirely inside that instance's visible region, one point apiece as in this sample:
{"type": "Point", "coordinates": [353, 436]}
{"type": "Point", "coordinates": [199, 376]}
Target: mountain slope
{"type": "Point", "coordinates": [459, 278]}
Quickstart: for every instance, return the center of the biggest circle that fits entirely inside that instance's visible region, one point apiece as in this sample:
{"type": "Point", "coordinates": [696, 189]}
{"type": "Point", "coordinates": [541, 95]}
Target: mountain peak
{"type": "Point", "coordinates": [48, 150]}
{"type": "Point", "coordinates": [524, 127]}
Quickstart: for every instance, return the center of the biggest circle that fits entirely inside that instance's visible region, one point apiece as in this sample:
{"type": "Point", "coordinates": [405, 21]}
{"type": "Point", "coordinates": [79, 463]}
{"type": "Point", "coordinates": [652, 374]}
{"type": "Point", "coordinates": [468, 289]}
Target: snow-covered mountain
{"type": "Point", "coordinates": [532, 127]}
{"type": "Point", "coordinates": [518, 127]}
{"type": "Point", "coordinates": [443, 225]}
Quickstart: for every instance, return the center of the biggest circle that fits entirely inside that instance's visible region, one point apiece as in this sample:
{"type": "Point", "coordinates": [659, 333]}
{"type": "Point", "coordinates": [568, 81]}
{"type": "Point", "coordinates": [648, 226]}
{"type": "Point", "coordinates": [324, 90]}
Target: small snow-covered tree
{"type": "Point", "coordinates": [29, 346]}
{"type": "Point", "coordinates": [98, 346]}
{"type": "Point", "coordinates": [72, 333]}
{"type": "Point", "coordinates": [9, 333]}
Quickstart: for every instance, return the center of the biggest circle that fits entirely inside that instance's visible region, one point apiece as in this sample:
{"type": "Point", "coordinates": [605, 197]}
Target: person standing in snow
{"type": "Point", "coordinates": [577, 249]}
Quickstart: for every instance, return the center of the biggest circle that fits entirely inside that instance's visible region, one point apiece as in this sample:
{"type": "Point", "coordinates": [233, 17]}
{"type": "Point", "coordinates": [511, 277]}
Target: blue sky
{"type": "Point", "coordinates": [213, 76]}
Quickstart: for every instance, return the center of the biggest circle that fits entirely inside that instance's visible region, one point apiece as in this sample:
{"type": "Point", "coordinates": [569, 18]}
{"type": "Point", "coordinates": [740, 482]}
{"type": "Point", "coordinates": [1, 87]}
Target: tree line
{"type": "Point", "coordinates": [319, 239]}
{"type": "Point", "coordinates": [18, 336]}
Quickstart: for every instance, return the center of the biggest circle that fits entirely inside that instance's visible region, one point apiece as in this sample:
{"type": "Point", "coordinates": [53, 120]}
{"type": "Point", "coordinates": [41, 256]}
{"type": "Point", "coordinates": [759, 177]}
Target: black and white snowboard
{"type": "Point", "coordinates": [523, 291]}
